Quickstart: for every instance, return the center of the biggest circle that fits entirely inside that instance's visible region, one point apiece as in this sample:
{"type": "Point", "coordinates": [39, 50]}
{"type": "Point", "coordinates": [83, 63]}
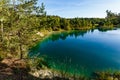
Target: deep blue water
{"type": "Point", "coordinates": [87, 51]}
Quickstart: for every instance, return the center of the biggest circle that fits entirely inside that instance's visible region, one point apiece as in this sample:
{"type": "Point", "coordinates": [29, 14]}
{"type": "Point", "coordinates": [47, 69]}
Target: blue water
{"type": "Point", "coordinates": [91, 50]}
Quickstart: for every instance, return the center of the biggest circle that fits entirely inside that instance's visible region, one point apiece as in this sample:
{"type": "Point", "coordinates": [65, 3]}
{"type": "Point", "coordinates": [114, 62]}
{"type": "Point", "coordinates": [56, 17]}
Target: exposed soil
{"type": "Point", "coordinates": [14, 69]}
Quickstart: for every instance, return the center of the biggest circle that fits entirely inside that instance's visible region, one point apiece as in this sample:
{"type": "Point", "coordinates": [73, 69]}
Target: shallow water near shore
{"type": "Point", "coordinates": [81, 52]}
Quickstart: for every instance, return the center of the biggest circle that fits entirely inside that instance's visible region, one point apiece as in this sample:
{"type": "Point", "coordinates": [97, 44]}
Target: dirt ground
{"type": "Point", "coordinates": [14, 69]}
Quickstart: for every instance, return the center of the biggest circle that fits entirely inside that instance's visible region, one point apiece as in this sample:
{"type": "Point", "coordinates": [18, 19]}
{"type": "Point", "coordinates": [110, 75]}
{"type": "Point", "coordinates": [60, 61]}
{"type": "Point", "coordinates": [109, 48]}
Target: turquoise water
{"type": "Point", "coordinates": [83, 51]}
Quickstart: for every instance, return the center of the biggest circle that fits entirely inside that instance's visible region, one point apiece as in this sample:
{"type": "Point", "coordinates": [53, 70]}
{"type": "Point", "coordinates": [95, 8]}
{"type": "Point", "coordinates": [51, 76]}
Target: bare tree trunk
{"type": "Point", "coordinates": [2, 31]}
{"type": "Point", "coordinates": [21, 53]}
{"type": "Point", "coordinates": [20, 45]}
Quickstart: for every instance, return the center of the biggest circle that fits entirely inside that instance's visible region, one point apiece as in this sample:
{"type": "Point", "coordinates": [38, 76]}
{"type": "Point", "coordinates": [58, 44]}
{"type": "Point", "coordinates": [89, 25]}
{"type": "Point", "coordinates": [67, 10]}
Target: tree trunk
{"type": "Point", "coordinates": [2, 31]}
{"type": "Point", "coordinates": [21, 53]}
{"type": "Point", "coordinates": [20, 45]}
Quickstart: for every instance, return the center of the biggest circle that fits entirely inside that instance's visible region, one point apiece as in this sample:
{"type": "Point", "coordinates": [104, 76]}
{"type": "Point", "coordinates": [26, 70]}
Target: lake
{"type": "Point", "coordinates": [82, 51]}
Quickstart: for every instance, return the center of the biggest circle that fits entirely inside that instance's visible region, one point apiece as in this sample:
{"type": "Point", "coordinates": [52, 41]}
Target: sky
{"type": "Point", "coordinates": [80, 8]}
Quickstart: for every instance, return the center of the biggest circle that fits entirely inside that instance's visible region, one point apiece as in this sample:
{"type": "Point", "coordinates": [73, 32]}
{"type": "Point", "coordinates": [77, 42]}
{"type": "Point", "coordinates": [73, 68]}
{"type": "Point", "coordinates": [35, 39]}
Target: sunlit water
{"type": "Point", "coordinates": [82, 51]}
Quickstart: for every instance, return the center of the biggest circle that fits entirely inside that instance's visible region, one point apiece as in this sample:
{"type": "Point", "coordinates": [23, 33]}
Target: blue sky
{"type": "Point", "coordinates": [80, 8]}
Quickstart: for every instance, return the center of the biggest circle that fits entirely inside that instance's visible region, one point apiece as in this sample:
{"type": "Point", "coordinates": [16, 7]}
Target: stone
{"type": "Point", "coordinates": [43, 74]}
{"type": "Point", "coordinates": [41, 34]}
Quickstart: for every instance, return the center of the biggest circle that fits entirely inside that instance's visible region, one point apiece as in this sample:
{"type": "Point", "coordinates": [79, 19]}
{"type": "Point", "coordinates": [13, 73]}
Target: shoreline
{"type": "Point", "coordinates": [48, 72]}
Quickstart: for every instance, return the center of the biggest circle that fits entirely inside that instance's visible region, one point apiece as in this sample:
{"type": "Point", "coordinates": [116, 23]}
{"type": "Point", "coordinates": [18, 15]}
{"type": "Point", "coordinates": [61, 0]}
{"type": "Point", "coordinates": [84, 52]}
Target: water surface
{"type": "Point", "coordinates": [88, 51]}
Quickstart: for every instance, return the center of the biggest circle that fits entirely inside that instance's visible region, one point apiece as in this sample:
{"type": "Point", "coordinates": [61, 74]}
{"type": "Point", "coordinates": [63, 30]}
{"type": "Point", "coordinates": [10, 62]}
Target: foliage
{"type": "Point", "coordinates": [106, 75]}
{"type": "Point", "coordinates": [17, 24]}
{"type": "Point", "coordinates": [20, 20]}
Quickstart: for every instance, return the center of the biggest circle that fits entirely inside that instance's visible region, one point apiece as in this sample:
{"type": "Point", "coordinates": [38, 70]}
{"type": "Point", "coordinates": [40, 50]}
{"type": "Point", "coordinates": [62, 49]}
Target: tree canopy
{"type": "Point", "coordinates": [21, 19]}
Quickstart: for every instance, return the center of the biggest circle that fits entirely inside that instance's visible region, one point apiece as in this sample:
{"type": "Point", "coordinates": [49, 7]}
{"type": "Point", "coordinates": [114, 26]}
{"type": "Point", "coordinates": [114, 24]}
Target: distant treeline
{"type": "Point", "coordinates": [20, 20]}
{"type": "Point", "coordinates": [57, 23]}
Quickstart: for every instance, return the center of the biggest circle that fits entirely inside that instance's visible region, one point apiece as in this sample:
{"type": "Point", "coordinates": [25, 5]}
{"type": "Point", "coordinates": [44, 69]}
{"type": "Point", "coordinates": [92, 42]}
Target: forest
{"type": "Point", "coordinates": [20, 20]}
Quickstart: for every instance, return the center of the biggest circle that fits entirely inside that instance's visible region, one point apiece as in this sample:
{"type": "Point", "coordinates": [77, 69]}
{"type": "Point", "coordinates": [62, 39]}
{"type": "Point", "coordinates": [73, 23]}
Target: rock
{"type": "Point", "coordinates": [43, 74]}
{"type": "Point", "coordinates": [14, 62]}
{"type": "Point", "coordinates": [39, 33]}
